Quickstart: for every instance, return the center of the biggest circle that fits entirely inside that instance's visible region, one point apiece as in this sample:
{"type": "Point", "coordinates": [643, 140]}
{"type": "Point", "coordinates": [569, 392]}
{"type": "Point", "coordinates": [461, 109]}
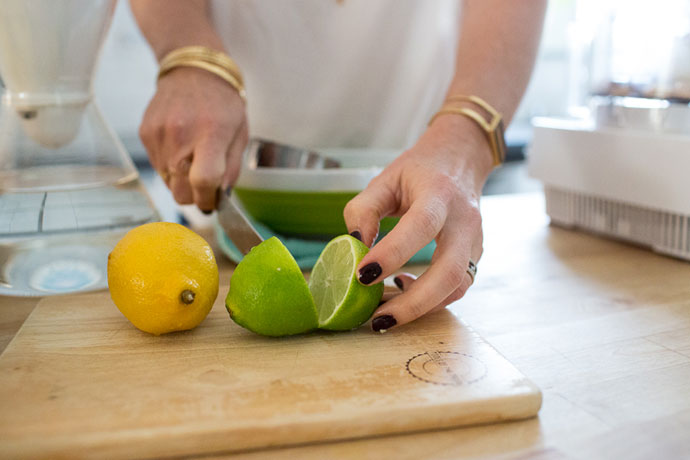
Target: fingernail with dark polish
{"type": "Point", "coordinates": [383, 323]}
{"type": "Point", "coordinates": [357, 235]}
{"type": "Point", "coordinates": [369, 273]}
{"type": "Point", "coordinates": [207, 211]}
{"type": "Point", "coordinates": [398, 282]}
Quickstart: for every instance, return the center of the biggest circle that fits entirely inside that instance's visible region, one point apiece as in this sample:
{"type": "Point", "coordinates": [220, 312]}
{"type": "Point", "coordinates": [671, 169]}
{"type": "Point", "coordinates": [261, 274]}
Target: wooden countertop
{"type": "Point", "coordinates": [603, 328]}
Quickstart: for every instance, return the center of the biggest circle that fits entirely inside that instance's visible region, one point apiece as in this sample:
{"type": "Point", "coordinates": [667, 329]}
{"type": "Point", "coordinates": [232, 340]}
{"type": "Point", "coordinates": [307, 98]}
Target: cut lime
{"type": "Point", "coordinates": [268, 293]}
{"type": "Point", "coordinates": [342, 302]}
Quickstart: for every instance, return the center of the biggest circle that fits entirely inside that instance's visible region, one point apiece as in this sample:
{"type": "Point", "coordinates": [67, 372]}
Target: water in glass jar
{"type": "Point", "coordinates": [58, 241]}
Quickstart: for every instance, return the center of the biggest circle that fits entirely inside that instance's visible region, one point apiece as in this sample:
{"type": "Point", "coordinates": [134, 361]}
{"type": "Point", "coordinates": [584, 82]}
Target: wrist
{"type": "Point", "coordinates": [198, 37]}
{"type": "Point", "coordinates": [207, 59]}
{"type": "Point", "coordinates": [484, 115]}
{"type": "Point", "coordinates": [468, 142]}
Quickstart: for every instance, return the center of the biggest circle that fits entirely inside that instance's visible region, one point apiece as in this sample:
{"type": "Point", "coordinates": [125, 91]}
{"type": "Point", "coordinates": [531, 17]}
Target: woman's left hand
{"type": "Point", "coordinates": [435, 188]}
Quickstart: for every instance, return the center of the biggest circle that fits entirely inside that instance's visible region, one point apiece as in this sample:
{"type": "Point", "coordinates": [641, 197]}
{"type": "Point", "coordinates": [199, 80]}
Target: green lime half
{"type": "Point", "coordinates": [268, 293]}
{"type": "Point", "coordinates": [342, 302]}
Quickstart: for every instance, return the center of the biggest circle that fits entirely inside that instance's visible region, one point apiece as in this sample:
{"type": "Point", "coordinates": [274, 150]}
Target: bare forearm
{"type": "Point", "coordinates": [170, 24]}
{"type": "Point", "coordinates": [497, 49]}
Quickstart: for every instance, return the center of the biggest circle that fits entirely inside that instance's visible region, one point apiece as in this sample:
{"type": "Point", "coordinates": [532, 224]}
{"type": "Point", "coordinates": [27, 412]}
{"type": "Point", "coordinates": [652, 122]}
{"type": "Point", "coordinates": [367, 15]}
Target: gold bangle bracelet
{"type": "Point", "coordinates": [463, 111]}
{"type": "Point", "coordinates": [476, 100]}
{"type": "Point", "coordinates": [214, 69]}
{"type": "Point", "coordinates": [189, 57]}
{"type": "Point", "coordinates": [205, 54]}
{"type": "Point", "coordinates": [493, 128]}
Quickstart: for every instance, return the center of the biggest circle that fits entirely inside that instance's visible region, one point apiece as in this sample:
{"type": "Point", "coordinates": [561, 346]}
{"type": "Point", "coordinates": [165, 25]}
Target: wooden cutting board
{"type": "Point", "coordinates": [79, 380]}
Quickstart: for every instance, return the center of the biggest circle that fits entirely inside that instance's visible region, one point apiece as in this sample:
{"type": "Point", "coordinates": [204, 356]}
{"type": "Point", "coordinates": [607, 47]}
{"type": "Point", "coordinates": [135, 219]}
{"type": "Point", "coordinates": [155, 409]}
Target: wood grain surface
{"type": "Point", "coordinates": [602, 328]}
{"type": "Point", "coordinates": [79, 378]}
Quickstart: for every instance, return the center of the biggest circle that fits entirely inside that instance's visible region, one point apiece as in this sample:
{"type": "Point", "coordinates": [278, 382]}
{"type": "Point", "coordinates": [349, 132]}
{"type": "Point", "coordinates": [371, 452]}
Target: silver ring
{"type": "Point", "coordinates": [472, 270]}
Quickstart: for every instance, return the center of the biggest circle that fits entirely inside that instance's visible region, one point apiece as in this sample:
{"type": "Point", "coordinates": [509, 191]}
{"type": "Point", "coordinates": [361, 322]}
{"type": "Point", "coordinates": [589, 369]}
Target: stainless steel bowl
{"type": "Point", "coordinates": [262, 153]}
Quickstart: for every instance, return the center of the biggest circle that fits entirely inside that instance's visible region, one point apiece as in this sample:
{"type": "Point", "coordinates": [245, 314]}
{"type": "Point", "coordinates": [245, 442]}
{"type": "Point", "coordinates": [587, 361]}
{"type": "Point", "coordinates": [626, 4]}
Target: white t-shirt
{"type": "Point", "coordinates": [354, 73]}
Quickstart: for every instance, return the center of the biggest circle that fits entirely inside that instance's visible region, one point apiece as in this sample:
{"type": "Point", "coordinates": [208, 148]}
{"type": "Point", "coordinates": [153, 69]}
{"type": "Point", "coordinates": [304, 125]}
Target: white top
{"type": "Point", "coordinates": [354, 73]}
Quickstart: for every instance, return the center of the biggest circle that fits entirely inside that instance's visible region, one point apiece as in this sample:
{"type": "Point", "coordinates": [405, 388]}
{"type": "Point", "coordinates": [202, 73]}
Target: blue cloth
{"type": "Point", "coordinates": [305, 252]}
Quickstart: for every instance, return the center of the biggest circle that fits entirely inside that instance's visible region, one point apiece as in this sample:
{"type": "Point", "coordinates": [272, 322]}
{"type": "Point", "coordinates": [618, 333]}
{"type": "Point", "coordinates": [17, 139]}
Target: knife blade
{"type": "Point", "coordinates": [235, 223]}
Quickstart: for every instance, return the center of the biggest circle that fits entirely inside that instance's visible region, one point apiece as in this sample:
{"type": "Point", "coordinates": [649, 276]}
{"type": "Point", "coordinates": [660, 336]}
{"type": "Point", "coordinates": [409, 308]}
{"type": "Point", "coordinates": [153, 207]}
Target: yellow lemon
{"type": "Point", "coordinates": [163, 277]}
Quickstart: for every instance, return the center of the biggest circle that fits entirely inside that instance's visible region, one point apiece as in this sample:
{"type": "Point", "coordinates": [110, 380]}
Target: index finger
{"type": "Point", "coordinates": [416, 228]}
{"type": "Point", "coordinates": [207, 170]}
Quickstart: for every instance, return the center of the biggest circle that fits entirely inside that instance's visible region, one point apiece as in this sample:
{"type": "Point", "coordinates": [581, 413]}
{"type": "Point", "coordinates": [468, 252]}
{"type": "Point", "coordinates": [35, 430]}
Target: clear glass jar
{"type": "Point", "coordinates": [630, 63]}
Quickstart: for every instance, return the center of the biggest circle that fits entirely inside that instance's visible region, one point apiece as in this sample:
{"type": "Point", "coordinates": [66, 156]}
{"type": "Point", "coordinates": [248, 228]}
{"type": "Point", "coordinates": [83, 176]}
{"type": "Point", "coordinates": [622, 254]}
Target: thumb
{"type": "Point", "coordinates": [364, 212]}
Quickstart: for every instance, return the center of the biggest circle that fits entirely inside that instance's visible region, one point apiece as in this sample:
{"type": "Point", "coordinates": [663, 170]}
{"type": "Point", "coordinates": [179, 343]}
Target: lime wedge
{"type": "Point", "coordinates": [268, 293]}
{"type": "Point", "coordinates": [342, 302]}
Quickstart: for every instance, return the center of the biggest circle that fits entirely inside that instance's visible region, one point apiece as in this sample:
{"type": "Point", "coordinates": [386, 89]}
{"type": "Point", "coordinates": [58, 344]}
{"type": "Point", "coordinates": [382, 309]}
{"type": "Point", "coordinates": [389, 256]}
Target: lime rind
{"type": "Point", "coordinates": [268, 293]}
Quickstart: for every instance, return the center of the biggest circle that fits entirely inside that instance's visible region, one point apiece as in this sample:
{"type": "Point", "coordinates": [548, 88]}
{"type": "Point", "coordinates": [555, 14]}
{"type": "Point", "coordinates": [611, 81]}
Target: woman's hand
{"type": "Point", "coordinates": [195, 130]}
{"type": "Point", "coordinates": [435, 187]}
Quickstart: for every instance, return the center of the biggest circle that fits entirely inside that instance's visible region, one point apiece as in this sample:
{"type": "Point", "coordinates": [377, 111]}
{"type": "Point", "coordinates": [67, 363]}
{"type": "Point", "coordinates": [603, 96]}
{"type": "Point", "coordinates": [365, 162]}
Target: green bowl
{"type": "Point", "coordinates": [309, 203]}
{"type": "Point", "coordinates": [311, 214]}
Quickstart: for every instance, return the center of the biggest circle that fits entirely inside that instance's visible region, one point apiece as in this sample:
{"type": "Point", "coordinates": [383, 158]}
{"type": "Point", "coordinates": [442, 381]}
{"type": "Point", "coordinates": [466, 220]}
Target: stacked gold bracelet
{"type": "Point", "coordinates": [216, 62]}
{"type": "Point", "coordinates": [493, 126]}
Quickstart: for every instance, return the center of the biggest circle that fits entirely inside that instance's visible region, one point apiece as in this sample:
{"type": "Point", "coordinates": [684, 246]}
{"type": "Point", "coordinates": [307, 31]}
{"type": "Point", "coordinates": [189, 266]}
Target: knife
{"type": "Point", "coordinates": [235, 223]}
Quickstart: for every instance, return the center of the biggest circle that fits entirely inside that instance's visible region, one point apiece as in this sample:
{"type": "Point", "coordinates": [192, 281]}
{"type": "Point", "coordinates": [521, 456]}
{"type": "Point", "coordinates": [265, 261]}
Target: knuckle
{"type": "Point", "coordinates": [395, 253]}
{"type": "Point", "coordinates": [148, 132]}
{"type": "Point", "coordinates": [474, 216]}
{"type": "Point", "coordinates": [180, 165]}
{"type": "Point", "coordinates": [215, 120]}
{"type": "Point", "coordinates": [205, 181]}
{"type": "Point", "coordinates": [145, 133]}
{"type": "Point", "coordinates": [454, 275]}
{"type": "Point", "coordinates": [457, 295]}
{"type": "Point", "coordinates": [182, 197]}
{"type": "Point", "coordinates": [350, 209]}
{"type": "Point", "coordinates": [446, 187]}
{"type": "Point", "coordinates": [176, 128]}
{"type": "Point", "coordinates": [480, 252]}
{"type": "Point", "coordinates": [209, 123]}
{"type": "Point", "coordinates": [431, 218]}
{"type": "Point", "coordinates": [377, 180]}
{"type": "Point", "coordinates": [359, 207]}
{"type": "Point", "coordinates": [417, 309]}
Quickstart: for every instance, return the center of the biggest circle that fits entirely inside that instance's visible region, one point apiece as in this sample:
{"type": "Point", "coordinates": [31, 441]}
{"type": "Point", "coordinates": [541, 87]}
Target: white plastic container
{"type": "Point", "coordinates": [632, 185]}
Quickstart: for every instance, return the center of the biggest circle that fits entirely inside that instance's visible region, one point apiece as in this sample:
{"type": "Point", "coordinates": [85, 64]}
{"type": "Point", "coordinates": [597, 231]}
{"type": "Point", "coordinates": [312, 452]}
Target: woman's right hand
{"type": "Point", "coordinates": [195, 130]}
